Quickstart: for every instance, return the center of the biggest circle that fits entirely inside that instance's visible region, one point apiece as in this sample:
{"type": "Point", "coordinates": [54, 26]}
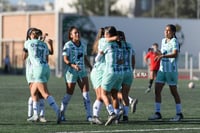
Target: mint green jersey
{"type": "Point", "coordinates": [112, 55]}
{"type": "Point", "coordinates": [75, 54]}
{"type": "Point", "coordinates": [37, 52]}
{"type": "Point", "coordinates": [169, 64]}
{"type": "Point", "coordinates": [29, 71]}
{"type": "Point", "coordinates": [128, 52]}
{"type": "Point", "coordinates": [100, 65]}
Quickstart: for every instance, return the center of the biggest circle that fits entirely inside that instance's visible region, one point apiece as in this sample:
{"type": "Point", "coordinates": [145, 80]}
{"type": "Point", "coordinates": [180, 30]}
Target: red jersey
{"type": "Point", "coordinates": [154, 65]}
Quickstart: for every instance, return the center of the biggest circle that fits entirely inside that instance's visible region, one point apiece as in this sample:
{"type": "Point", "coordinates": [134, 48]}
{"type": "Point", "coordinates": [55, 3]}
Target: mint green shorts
{"type": "Point", "coordinates": [111, 81]}
{"type": "Point", "coordinates": [71, 75]}
{"type": "Point", "coordinates": [29, 74]}
{"type": "Point", "coordinates": [171, 78]}
{"type": "Point", "coordinates": [41, 74]}
{"type": "Point", "coordinates": [96, 78]}
{"type": "Point", "coordinates": [127, 78]}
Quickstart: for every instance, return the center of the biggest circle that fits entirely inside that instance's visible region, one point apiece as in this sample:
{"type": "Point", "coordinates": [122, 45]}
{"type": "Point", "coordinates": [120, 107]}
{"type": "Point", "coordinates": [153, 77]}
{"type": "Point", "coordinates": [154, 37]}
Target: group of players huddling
{"type": "Point", "coordinates": [111, 75]}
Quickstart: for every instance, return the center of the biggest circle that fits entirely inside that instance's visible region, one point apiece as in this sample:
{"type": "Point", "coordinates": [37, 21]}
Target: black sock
{"type": "Point", "coordinates": [150, 83]}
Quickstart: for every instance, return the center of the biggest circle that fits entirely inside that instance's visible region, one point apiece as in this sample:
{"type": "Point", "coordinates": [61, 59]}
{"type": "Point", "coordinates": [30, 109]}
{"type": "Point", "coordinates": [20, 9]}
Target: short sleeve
{"type": "Point", "coordinates": [133, 51]}
{"type": "Point", "coordinates": [131, 48]}
{"type": "Point", "coordinates": [147, 55]}
{"type": "Point", "coordinates": [84, 48]}
{"type": "Point", "coordinates": [66, 49]}
{"type": "Point", "coordinates": [101, 46]}
{"type": "Point", "coordinates": [47, 49]}
{"type": "Point", "coordinates": [162, 43]}
{"type": "Point", "coordinates": [175, 45]}
{"type": "Point", "coordinates": [26, 45]}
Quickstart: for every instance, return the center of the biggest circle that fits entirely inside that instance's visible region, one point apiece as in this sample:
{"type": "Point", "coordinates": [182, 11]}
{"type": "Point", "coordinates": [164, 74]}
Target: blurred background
{"type": "Point", "coordinates": [143, 22]}
{"type": "Point", "coordinates": [125, 8]}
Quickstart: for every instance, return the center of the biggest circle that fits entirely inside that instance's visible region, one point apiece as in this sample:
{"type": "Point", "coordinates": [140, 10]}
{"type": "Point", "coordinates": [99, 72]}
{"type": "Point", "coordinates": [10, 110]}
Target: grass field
{"type": "Point", "coordinates": [14, 94]}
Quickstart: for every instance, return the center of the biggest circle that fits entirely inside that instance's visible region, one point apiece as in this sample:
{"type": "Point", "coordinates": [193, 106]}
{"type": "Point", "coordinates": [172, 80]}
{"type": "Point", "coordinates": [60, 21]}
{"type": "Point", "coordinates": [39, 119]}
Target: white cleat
{"type": "Point", "coordinates": [111, 118]}
{"type": "Point", "coordinates": [96, 120]}
{"type": "Point", "coordinates": [148, 90]}
{"type": "Point", "coordinates": [42, 119]}
{"type": "Point", "coordinates": [34, 118]}
{"type": "Point", "coordinates": [133, 105]}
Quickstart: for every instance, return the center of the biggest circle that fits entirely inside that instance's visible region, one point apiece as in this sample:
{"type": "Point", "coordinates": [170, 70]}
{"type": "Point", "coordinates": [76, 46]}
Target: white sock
{"type": "Point", "coordinates": [110, 109]}
{"type": "Point", "coordinates": [178, 108]}
{"type": "Point", "coordinates": [65, 102]}
{"type": "Point", "coordinates": [97, 107]}
{"type": "Point", "coordinates": [130, 100]}
{"type": "Point", "coordinates": [53, 104]}
{"type": "Point", "coordinates": [86, 100]}
{"type": "Point", "coordinates": [126, 110]}
{"type": "Point", "coordinates": [35, 108]}
{"type": "Point", "coordinates": [30, 106]}
{"type": "Point", "coordinates": [41, 107]}
{"type": "Point", "coordinates": [157, 107]}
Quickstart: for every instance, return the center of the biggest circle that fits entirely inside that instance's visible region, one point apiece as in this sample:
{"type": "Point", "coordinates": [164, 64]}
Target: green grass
{"type": "Point", "coordinates": [14, 94]}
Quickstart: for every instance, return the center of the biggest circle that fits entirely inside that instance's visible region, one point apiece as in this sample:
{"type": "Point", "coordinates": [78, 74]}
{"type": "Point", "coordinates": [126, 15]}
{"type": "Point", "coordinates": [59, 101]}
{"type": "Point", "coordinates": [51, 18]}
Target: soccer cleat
{"type": "Point", "coordinates": [62, 116]}
{"type": "Point", "coordinates": [121, 112]}
{"type": "Point", "coordinates": [176, 118]}
{"type": "Point", "coordinates": [147, 90]}
{"type": "Point", "coordinates": [116, 121]}
{"type": "Point", "coordinates": [42, 119]}
{"type": "Point", "coordinates": [34, 118]}
{"type": "Point", "coordinates": [58, 117]}
{"type": "Point", "coordinates": [125, 119]}
{"type": "Point", "coordinates": [96, 120]}
{"type": "Point", "coordinates": [133, 105]}
{"type": "Point", "coordinates": [111, 118]}
{"type": "Point", "coordinates": [89, 119]}
{"type": "Point", "coordinates": [155, 116]}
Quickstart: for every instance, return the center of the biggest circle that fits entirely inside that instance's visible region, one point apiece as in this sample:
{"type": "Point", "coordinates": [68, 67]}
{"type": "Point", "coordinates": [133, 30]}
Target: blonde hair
{"type": "Point", "coordinates": [100, 34]}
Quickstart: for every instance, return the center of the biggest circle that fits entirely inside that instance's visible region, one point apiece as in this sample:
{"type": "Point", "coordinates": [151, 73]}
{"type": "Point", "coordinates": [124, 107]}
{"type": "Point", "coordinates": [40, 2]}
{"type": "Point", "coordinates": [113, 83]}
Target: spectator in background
{"type": "Point", "coordinates": [7, 64]}
{"type": "Point", "coordinates": [153, 64]}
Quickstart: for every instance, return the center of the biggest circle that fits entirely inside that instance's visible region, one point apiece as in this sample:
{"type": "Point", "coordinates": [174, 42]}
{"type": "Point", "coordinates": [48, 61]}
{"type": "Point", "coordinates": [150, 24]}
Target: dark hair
{"type": "Point", "coordinates": [29, 31]}
{"type": "Point", "coordinates": [39, 32]}
{"type": "Point", "coordinates": [155, 44]}
{"type": "Point", "coordinates": [70, 30]}
{"type": "Point", "coordinates": [100, 34]}
{"type": "Point", "coordinates": [121, 36]}
{"type": "Point", "coordinates": [173, 28]}
{"type": "Point", "coordinates": [111, 30]}
{"type": "Point", "coordinates": [150, 49]}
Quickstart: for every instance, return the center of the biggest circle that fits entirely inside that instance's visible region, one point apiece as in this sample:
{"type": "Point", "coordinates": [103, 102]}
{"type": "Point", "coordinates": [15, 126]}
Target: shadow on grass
{"type": "Point", "coordinates": [164, 122]}
{"type": "Point", "coordinates": [131, 122]}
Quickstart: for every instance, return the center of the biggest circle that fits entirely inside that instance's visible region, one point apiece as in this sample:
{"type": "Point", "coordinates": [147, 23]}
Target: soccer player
{"type": "Point", "coordinates": [153, 65]}
{"type": "Point", "coordinates": [96, 78]}
{"type": "Point", "coordinates": [168, 72]}
{"type": "Point", "coordinates": [112, 76]}
{"type": "Point", "coordinates": [30, 80]}
{"type": "Point", "coordinates": [128, 67]}
{"type": "Point", "coordinates": [37, 53]}
{"type": "Point", "coordinates": [97, 73]}
{"type": "Point", "coordinates": [74, 55]}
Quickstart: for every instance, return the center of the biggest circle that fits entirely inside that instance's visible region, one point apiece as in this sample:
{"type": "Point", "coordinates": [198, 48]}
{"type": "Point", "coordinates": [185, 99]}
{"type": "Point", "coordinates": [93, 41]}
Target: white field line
{"type": "Point", "coordinates": [135, 130]}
